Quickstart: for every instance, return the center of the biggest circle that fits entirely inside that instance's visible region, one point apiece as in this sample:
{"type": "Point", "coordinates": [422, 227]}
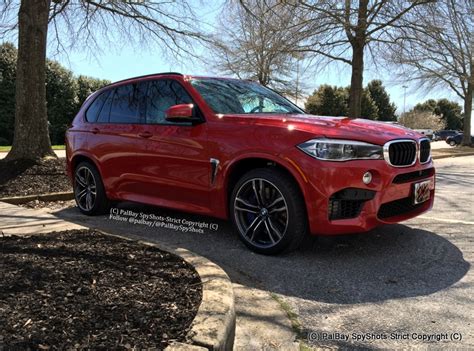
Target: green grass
{"type": "Point", "coordinates": [7, 148]}
{"type": "Point", "coordinates": [295, 323]}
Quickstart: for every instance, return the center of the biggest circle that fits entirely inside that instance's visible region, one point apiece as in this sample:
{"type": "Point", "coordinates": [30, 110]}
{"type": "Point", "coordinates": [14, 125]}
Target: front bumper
{"type": "Point", "coordinates": [391, 202]}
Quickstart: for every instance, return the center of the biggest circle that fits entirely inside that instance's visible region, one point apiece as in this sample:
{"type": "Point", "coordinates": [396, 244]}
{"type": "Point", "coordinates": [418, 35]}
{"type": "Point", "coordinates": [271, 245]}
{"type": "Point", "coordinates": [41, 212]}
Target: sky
{"type": "Point", "coordinates": [116, 62]}
{"type": "Point", "coordinates": [130, 62]}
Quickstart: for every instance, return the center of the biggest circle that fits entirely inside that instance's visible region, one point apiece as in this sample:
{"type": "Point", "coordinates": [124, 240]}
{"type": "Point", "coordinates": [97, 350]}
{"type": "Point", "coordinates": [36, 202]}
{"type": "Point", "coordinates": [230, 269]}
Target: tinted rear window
{"type": "Point", "coordinates": [95, 108]}
{"type": "Point", "coordinates": [105, 111]}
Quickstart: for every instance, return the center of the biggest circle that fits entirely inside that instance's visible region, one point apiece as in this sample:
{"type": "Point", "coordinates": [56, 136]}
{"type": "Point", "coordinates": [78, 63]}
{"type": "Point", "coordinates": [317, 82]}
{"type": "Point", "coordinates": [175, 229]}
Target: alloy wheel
{"type": "Point", "coordinates": [85, 188]}
{"type": "Point", "coordinates": [261, 213]}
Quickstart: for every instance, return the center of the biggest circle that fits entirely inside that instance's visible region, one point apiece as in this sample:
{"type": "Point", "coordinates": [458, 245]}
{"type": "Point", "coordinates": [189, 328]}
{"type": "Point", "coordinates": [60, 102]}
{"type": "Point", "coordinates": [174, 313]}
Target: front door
{"type": "Point", "coordinates": [174, 160]}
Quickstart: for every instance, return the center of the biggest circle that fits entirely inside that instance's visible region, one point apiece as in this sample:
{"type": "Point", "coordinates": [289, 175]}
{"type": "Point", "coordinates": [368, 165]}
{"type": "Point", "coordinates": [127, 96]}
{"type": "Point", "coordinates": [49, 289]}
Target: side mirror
{"type": "Point", "coordinates": [180, 113]}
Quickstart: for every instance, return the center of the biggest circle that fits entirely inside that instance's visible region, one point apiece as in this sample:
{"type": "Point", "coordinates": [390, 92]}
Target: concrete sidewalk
{"type": "Point", "coordinates": [59, 153]}
{"type": "Point", "coordinates": [19, 220]}
{"type": "Point", "coordinates": [261, 323]}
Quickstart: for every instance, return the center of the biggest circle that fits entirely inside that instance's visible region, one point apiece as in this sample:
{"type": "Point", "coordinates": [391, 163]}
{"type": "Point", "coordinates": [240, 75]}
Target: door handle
{"type": "Point", "coordinates": [145, 135]}
{"type": "Point", "coordinates": [95, 130]}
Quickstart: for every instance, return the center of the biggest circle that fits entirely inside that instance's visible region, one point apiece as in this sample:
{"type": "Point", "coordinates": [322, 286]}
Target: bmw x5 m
{"type": "Point", "coordinates": [236, 150]}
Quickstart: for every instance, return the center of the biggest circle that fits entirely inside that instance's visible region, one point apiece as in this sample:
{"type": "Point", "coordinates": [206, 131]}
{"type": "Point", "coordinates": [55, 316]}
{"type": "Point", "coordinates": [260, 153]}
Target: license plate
{"type": "Point", "coordinates": [422, 191]}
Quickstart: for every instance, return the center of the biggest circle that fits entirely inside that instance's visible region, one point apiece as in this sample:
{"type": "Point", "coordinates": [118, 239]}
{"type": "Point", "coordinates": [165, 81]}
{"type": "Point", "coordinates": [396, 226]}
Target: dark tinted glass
{"type": "Point", "coordinates": [94, 109]}
{"type": "Point", "coordinates": [105, 111]}
{"type": "Point", "coordinates": [161, 95]}
{"type": "Point", "coordinates": [126, 102]}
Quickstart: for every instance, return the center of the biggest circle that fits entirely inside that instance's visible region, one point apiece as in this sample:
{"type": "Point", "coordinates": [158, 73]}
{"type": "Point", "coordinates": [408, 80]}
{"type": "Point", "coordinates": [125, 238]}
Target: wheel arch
{"type": "Point", "coordinates": [243, 165]}
{"type": "Point", "coordinates": [78, 158]}
{"type": "Point", "coordinates": [81, 157]}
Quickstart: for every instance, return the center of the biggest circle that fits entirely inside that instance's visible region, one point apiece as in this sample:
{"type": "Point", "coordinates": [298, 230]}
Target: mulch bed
{"type": "Point", "coordinates": [22, 177]}
{"type": "Point", "coordinates": [84, 290]}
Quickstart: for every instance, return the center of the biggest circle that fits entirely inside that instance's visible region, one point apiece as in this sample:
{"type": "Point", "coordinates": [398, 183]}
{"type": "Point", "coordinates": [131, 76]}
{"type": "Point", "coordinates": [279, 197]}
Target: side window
{"type": "Point", "coordinates": [161, 95]}
{"type": "Point", "coordinates": [94, 109]}
{"type": "Point", "coordinates": [105, 111]}
{"type": "Point", "coordinates": [126, 102]}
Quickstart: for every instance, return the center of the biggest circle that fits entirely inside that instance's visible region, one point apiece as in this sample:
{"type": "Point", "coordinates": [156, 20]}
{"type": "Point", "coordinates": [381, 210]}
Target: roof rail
{"type": "Point", "coordinates": [147, 75]}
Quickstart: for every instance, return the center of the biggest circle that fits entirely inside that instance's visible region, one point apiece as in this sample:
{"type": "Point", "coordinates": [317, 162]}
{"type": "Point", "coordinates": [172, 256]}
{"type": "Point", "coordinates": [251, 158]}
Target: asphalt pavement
{"type": "Point", "coordinates": [398, 286]}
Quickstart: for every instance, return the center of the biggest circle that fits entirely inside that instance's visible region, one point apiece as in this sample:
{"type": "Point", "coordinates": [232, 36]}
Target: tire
{"type": "Point", "coordinates": [452, 143]}
{"type": "Point", "coordinates": [86, 180]}
{"type": "Point", "coordinates": [268, 211]}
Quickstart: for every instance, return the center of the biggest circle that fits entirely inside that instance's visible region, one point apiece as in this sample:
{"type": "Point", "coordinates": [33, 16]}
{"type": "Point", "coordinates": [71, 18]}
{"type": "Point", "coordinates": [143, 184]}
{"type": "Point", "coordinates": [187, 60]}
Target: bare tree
{"type": "Point", "coordinates": [422, 120]}
{"type": "Point", "coordinates": [435, 49]}
{"type": "Point", "coordinates": [73, 23]}
{"type": "Point", "coordinates": [259, 45]}
{"type": "Point", "coordinates": [347, 31]}
{"type": "Point", "coordinates": [353, 28]}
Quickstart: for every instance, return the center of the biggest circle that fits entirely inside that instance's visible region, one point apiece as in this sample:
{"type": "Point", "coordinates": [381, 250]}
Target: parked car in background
{"type": "Point", "coordinates": [236, 150]}
{"type": "Point", "coordinates": [456, 139]}
{"type": "Point", "coordinates": [443, 134]}
{"type": "Point", "coordinates": [426, 132]}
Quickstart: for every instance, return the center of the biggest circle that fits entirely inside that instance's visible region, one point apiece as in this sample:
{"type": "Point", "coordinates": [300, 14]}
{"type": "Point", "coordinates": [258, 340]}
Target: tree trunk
{"type": "Point", "coordinates": [358, 42]}
{"type": "Point", "coordinates": [31, 137]}
{"type": "Point", "coordinates": [466, 140]}
{"type": "Point", "coordinates": [355, 93]}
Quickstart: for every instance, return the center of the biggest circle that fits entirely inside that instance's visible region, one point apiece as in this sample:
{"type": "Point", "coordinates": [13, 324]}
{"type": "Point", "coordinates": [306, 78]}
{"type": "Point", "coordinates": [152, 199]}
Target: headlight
{"type": "Point", "coordinates": [341, 150]}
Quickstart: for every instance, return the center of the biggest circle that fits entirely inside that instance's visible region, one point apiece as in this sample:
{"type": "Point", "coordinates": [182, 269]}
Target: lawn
{"type": "Point", "coordinates": [7, 148]}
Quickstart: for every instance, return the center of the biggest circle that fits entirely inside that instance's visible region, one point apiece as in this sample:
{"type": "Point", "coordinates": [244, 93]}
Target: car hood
{"type": "Point", "coordinates": [334, 127]}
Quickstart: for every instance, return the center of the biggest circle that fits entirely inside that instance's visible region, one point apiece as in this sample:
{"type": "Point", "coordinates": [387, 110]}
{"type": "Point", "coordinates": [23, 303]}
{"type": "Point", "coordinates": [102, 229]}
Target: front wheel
{"type": "Point", "coordinates": [452, 143]}
{"type": "Point", "coordinates": [268, 211]}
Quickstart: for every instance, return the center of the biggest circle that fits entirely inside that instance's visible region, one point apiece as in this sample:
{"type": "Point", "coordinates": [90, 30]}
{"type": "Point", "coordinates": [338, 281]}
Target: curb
{"type": "Point", "coordinates": [452, 155]}
{"type": "Point", "coordinates": [213, 328]}
{"type": "Point", "coordinates": [61, 196]}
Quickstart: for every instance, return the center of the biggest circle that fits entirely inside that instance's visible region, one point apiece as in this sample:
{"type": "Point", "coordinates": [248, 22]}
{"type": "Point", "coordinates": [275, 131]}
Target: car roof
{"type": "Point", "coordinates": [132, 79]}
{"type": "Point", "coordinates": [147, 76]}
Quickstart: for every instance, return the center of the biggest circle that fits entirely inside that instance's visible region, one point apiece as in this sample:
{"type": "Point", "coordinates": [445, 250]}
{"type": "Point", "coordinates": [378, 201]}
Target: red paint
{"type": "Point", "coordinates": [168, 165]}
{"type": "Point", "coordinates": [182, 111]}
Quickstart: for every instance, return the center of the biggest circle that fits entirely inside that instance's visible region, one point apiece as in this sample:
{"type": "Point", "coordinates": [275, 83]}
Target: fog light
{"type": "Point", "coordinates": [367, 177]}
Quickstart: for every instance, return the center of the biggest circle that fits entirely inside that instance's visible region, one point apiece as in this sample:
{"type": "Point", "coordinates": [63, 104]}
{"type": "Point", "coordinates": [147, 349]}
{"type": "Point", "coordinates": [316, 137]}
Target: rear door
{"type": "Point", "coordinates": [116, 140]}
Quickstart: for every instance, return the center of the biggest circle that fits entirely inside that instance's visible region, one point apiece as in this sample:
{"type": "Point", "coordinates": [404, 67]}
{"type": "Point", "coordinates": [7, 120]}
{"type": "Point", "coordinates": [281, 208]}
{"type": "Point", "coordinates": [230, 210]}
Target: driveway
{"type": "Point", "coordinates": [441, 144]}
{"type": "Point", "coordinates": [387, 288]}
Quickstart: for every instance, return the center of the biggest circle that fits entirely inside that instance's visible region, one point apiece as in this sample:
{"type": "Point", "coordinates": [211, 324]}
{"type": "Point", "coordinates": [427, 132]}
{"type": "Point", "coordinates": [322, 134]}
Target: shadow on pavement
{"type": "Point", "coordinates": [391, 262]}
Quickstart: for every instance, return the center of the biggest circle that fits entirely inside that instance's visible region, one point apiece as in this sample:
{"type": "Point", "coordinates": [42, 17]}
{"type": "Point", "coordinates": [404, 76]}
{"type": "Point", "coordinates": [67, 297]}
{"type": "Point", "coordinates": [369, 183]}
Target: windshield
{"type": "Point", "coordinates": [229, 96]}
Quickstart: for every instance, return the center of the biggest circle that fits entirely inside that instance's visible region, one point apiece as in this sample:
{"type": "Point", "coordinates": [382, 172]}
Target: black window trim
{"type": "Point", "coordinates": [109, 90]}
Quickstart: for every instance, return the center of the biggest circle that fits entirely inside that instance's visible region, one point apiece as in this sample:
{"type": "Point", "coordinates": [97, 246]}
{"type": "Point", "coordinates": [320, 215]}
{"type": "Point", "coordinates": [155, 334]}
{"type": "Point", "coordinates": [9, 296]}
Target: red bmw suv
{"type": "Point", "coordinates": [234, 149]}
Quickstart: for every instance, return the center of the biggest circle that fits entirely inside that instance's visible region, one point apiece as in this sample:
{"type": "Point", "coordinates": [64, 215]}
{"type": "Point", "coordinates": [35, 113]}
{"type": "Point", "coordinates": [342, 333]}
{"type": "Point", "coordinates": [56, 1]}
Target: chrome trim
{"type": "Point", "coordinates": [419, 151]}
{"type": "Point", "coordinates": [214, 168]}
{"type": "Point", "coordinates": [386, 155]}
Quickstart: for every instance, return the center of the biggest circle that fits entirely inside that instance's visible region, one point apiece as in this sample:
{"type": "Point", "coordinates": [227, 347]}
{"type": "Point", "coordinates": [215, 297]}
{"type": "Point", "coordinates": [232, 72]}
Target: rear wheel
{"type": "Point", "coordinates": [268, 211]}
{"type": "Point", "coordinates": [89, 191]}
{"type": "Point", "coordinates": [452, 143]}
